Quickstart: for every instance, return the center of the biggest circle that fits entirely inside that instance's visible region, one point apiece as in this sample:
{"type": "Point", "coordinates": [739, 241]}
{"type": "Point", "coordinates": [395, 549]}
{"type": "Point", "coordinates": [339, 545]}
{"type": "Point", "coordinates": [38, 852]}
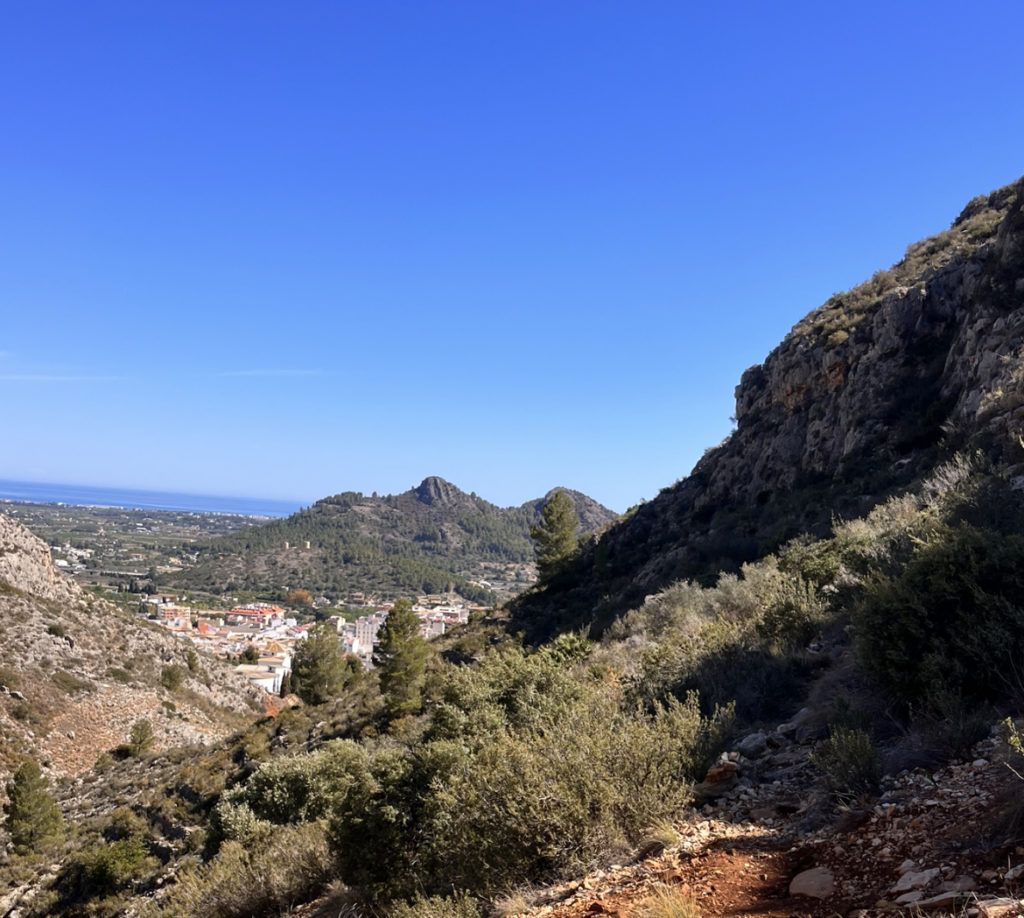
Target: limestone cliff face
{"type": "Point", "coordinates": [862, 397]}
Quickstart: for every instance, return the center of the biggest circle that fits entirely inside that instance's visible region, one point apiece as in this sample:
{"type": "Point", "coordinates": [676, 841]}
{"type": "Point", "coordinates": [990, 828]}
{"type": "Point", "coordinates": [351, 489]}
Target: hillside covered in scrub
{"type": "Point", "coordinates": [787, 686]}
{"type": "Point", "coordinates": [78, 672]}
{"type": "Point", "coordinates": [429, 539]}
{"type": "Point", "coordinates": [863, 397]}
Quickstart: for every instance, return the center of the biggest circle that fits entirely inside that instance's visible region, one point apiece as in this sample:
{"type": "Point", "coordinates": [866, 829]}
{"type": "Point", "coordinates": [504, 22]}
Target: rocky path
{"type": "Point", "coordinates": [768, 843]}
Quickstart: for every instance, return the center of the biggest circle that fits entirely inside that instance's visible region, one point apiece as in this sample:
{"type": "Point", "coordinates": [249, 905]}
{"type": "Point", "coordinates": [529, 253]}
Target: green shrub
{"type": "Point", "coordinates": [141, 738]}
{"type": "Point", "coordinates": [119, 675]}
{"type": "Point", "coordinates": [104, 869]}
{"type": "Point", "coordinates": [172, 677]}
{"type": "Point", "coordinates": [291, 865]}
{"type": "Point", "coordinates": [529, 770]}
{"type": "Point", "coordinates": [57, 630]}
{"type": "Point", "coordinates": [33, 819]}
{"type": "Point", "coordinates": [459, 905]}
{"type": "Point", "coordinates": [70, 683]}
{"type": "Point", "coordinates": [296, 789]}
{"type": "Point", "coordinates": [951, 623]}
{"type": "Point", "coordinates": [850, 763]}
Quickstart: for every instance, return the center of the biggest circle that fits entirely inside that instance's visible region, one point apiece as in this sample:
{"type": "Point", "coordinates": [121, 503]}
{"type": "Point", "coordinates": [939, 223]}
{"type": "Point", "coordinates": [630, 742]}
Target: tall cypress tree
{"type": "Point", "coordinates": [33, 817]}
{"type": "Point", "coordinates": [401, 657]}
{"type": "Point", "coordinates": [556, 536]}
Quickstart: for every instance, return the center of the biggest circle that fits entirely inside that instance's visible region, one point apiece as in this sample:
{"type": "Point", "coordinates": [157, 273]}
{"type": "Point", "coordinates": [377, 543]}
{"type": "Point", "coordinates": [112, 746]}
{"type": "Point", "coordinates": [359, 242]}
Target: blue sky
{"type": "Point", "coordinates": [288, 249]}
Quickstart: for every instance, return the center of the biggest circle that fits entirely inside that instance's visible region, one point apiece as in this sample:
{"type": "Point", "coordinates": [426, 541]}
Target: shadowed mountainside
{"type": "Point", "coordinates": [863, 397]}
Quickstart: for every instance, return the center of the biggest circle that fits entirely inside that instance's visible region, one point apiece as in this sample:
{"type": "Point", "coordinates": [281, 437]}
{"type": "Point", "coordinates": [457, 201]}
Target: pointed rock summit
{"type": "Point", "coordinates": [435, 491]}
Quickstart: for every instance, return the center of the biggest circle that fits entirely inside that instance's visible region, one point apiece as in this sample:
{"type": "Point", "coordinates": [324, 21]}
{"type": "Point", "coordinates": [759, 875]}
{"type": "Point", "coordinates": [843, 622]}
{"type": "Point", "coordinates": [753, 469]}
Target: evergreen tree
{"type": "Point", "coordinates": [321, 669]}
{"type": "Point", "coordinates": [401, 656]}
{"type": "Point", "coordinates": [141, 738]}
{"type": "Point", "coordinates": [33, 818]}
{"type": "Point", "coordinates": [555, 537]}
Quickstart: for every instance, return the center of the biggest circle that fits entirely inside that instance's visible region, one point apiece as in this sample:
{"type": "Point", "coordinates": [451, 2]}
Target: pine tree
{"type": "Point", "coordinates": [555, 537]}
{"type": "Point", "coordinates": [141, 738]}
{"type": "Point", "coordinates": [401, 656]}
{"type": "Point", "coordinates": [321, 669]}
{"type": "Point", "coordinates": [33, 817]}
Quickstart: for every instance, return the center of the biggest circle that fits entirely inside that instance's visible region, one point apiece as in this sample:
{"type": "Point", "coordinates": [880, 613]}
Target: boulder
{"type": "Point", "coordinates": [916, 879]}
{"type": "Point", "coordinates": [753, 745]}
{"type": "Point", "coordinates": [816, 883]}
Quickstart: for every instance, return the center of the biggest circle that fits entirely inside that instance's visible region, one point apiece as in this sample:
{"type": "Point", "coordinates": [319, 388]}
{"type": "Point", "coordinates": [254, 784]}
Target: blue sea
{"type": "Point", "coordinates": [84, 496]}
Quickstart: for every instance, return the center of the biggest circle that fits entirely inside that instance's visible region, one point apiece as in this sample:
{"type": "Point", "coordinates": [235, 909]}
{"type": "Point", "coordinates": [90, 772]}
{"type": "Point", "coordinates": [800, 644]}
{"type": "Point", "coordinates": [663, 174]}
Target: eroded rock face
{"type": "Point", "coordinates": [850, 407]}
{"type": "Point", "coordinates": [27, 566]}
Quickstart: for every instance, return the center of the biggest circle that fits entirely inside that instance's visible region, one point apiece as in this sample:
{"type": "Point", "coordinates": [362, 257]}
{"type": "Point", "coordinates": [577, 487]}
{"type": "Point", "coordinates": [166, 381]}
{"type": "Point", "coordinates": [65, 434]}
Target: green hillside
{"type": "Point", "coordinates": [429, 539]}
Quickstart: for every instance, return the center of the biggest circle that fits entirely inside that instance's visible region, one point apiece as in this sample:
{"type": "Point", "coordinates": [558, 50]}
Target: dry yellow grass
{"type": "Point", "coordinates": [669, 902]}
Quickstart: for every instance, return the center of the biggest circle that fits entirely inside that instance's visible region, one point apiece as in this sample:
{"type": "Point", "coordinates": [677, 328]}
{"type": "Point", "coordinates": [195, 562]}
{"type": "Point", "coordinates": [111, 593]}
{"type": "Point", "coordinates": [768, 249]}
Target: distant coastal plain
{"type": "Point", "coordinates": [89, 496]}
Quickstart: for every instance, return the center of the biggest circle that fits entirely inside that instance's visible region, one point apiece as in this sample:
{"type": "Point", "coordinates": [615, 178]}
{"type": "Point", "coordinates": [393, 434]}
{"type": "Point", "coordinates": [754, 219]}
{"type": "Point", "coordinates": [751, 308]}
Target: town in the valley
{"type": "Point", "coordinates": [264, 636]}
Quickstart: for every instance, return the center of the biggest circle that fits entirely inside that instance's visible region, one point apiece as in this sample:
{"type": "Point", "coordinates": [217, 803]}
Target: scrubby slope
{"type": "Point", "coordinates": [77, 672]}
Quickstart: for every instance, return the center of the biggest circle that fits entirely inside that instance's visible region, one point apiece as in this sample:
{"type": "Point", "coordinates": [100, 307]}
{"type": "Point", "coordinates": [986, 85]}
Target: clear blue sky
{"type": "Point", "coordinates": [286, 249]}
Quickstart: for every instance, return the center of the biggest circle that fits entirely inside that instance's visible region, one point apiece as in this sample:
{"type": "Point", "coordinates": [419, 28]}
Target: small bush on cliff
{"type": "Point", "coordinates": [172, 677]}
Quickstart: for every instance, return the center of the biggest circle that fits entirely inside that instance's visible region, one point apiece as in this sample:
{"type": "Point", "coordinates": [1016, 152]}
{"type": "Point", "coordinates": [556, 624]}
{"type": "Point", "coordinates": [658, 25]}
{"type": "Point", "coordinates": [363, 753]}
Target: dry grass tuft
{"type": "Point", "coordinates": [669, 902]}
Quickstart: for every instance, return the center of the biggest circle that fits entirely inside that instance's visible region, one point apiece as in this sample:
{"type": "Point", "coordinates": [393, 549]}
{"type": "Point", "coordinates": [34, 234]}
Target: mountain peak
{"type": "Point", "coordinates": [435, 491]}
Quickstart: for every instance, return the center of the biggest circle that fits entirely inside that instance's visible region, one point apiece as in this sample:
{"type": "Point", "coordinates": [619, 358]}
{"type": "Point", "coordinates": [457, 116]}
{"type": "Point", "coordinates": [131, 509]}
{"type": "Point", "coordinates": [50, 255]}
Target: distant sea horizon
{"type": "Point", "coordinates": [34, 492]}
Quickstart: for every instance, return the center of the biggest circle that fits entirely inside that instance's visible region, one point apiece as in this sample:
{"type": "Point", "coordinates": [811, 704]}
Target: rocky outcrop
{"type": "Point", "coordinates": [861, 398]}
{"type": "Point", "coordinates": [26, 565]}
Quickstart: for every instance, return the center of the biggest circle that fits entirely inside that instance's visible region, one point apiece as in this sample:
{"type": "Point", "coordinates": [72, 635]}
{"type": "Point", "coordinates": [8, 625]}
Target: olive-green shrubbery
{"type": "Point", "coordinates": [850, 762]}
{"type": "Point", "coordinates": [952, 621]}
{"type": "Point", "coordinates": [459, 905]}
{"type": "Point", "coordinates": [301, 788]}
{"type": "Point", "coordinates": [739, 641]}
{"type": "Point", "coordinates": [530, 765]}
{"type": "Point", "coordinates": [530, 768]}
{"type": "Point", "coordinates": [288, 867]}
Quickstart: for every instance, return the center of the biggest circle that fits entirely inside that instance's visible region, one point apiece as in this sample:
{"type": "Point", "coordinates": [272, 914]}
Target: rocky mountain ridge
{"type": "Point", "coordinates": [862, 398]}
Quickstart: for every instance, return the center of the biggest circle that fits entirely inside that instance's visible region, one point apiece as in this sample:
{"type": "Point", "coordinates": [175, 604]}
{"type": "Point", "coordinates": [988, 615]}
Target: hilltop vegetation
{"type": "Point", "coordinates": [429, 539]}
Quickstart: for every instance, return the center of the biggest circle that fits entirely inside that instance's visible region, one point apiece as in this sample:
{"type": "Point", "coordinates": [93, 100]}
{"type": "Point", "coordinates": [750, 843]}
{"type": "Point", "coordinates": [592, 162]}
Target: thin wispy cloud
{"type": "Point", "coordinates": [56, 378]}
{"type": "Point", "coordinates": [271, 373]}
